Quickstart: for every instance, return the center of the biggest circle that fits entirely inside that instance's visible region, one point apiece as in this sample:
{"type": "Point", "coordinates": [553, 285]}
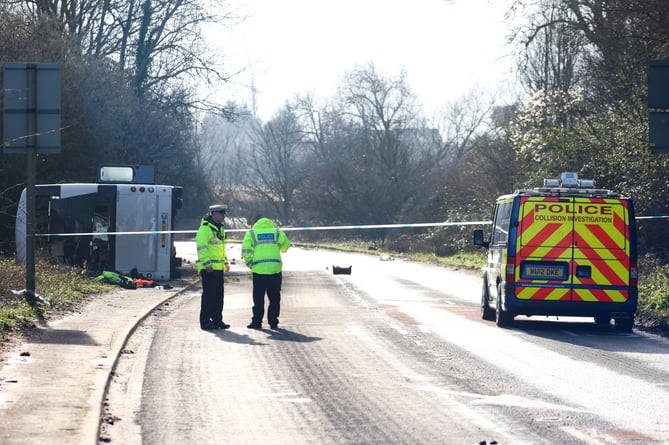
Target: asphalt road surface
{"type": "Point", "coordinates": [393, 353]}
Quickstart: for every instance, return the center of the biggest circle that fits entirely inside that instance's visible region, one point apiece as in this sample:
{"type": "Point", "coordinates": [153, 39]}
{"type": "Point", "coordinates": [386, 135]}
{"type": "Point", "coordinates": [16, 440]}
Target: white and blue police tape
{"type": "Point", "coordinates": [285, 229]}
{"type": "Point", "coordinates": [312, 228]}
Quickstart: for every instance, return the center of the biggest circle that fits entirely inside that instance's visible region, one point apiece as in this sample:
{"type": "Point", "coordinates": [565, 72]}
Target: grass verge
{"type": "Point", "coordinates": [62, 287]}
{"type": "Point", "coordinates": [653, 311]}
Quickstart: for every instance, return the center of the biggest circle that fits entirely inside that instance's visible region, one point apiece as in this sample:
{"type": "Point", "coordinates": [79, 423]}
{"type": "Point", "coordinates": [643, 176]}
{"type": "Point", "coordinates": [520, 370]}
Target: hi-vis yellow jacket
{"type": "Point", "coordinates": [210, 242]}
{"type": "Point", "coordinates": [262, 247]}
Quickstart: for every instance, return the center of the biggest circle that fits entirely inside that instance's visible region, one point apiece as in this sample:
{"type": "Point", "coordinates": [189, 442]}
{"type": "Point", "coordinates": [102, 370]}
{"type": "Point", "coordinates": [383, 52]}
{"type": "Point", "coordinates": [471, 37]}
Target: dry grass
{"type": "Point", "coordinates": [61, 286]}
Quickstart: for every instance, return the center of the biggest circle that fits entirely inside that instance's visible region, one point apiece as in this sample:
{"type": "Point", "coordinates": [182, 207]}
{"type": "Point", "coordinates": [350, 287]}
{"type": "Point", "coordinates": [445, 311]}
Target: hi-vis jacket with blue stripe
{"type": "Point", "coordinates": [262, 247]}
{"type": "Point", "coordinates": [210, 242]}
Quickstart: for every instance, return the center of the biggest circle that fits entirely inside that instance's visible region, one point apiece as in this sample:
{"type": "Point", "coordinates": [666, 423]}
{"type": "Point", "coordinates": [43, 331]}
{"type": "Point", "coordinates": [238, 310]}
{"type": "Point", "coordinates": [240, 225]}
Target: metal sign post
{"type": "Point", "coordinates": [658, 106]}
{"type": "Point", "coordinates": [31, 126]}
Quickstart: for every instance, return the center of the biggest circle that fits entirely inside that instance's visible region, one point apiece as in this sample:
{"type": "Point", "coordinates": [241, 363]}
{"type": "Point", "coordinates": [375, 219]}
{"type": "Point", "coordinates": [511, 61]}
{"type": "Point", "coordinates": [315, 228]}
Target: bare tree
{"type": "Point", "coordinates": [276, 164]}
{"type": "Point", "coordinates": [458, 123]}
{"type": "Point", "coordinates": [160, 43]}
{"type": "Point", "coordinates": [370, 164]}
{"type": "Point", "coordinates": [551, 50]}
{"type": "Point", "coordinates": [616, 39]}
{"type": "Point", "coordinates": [225, 146]}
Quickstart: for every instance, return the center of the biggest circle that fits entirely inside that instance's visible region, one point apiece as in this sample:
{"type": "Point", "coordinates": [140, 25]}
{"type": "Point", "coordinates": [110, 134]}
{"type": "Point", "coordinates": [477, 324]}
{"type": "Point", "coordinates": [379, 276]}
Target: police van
{"type": "Point", "coordinates": [564, 249]}
{"type": "Point", "coordinates": [121, 223]}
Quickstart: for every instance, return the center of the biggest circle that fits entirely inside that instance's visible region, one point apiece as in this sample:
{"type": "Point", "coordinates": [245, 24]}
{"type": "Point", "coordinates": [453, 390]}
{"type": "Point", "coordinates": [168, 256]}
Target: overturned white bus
{"type": "Point", "coordinates": [122, 226]}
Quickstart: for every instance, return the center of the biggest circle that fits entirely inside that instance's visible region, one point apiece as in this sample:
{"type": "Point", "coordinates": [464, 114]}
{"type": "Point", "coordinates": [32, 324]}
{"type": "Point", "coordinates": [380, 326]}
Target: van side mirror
{"type": "Point", "coordinates": [478, 239]}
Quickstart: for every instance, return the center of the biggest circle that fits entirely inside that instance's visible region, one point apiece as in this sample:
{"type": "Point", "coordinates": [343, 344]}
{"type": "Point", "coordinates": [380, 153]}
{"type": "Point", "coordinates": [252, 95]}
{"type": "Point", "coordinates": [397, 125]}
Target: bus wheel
{"type": "Point", "coordinates": [486, 312]}
{"type": "Point", "coordinates": [502, 317]}
{"type": "Point", "coordinates": [624, 324]}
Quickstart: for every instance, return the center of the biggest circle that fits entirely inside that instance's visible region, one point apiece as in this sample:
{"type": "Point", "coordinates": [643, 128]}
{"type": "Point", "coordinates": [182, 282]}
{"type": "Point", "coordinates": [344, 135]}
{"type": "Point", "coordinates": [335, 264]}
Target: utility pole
{"type": "Point", "coordinates": [31, 126]}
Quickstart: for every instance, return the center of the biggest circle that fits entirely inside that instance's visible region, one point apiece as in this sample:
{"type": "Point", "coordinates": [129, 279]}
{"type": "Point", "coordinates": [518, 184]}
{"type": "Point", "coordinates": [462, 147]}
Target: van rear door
{"type": "Point", "coordinates": [573, 249]}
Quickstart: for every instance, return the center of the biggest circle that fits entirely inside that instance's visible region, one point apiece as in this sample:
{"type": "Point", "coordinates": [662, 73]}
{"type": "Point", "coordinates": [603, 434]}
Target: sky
{"type": "Point", "coordinates": [289, 47]}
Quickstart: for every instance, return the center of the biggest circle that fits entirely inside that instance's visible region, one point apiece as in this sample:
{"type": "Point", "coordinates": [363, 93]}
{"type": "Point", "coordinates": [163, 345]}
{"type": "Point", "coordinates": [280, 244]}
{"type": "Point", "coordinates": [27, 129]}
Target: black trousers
{"type": "Point", "coordinates": [270, 285]}
{"type": "Point", "coordinates": [211, 304]}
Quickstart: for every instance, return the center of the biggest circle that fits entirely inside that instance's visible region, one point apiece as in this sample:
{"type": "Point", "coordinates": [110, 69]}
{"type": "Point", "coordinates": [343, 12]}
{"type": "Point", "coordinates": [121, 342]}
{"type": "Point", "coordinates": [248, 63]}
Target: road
{"type": "Point", "coordinates": [393, 353]}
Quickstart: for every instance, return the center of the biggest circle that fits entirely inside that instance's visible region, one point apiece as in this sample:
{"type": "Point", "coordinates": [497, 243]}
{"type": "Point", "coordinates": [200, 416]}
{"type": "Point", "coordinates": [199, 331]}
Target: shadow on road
{"type": "Point", "coordinates": [278, 334]}
{"type": "Point", "coordinates": [286, 335]}
{"type": "Point", "coordinates": [64, 337]}
{"type": "Point", "coordinates": [590, 335]}
{"type": "Point", "coordinates": [233, 337]}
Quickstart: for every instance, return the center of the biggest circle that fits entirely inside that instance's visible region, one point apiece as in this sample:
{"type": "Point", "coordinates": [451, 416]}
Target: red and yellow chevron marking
{"type": "Point", "coordinates": [591, 233]}
{"type": "Point", "coordinates": [543, 293]}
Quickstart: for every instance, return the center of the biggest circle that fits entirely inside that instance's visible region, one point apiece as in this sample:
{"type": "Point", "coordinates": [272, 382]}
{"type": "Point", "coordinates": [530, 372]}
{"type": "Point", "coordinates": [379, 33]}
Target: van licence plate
{"type": "Point", "coordinates": [545, 272]}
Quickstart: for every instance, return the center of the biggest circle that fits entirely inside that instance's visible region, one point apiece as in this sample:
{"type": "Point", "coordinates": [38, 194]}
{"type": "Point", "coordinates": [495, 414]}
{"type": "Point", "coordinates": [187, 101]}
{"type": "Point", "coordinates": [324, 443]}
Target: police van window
{"type": "Point", "coordinates": [500, 232]}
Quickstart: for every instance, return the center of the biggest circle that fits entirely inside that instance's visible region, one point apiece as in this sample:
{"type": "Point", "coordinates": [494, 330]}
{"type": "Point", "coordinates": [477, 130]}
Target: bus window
{"type": "Point", "coordinates": [100, 243]}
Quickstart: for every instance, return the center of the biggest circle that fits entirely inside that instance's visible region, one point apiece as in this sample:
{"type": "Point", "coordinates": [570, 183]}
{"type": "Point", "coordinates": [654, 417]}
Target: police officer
{"type": "Point", "coordinates": [211, 262]}
{"type": "Point", "coordinates": [261, 250]}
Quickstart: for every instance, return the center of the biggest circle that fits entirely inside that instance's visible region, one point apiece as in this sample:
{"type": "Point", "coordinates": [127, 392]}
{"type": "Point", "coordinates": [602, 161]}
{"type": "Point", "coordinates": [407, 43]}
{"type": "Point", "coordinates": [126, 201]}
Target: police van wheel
{"type": "Point", "coordinates": [624, 324]}
{"type": "Point", "coordinates": [502, 317]}
{"type": "Point", "coordinates": [603, 321]}
{"type": "Point", "coordinates": [486, 312]}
